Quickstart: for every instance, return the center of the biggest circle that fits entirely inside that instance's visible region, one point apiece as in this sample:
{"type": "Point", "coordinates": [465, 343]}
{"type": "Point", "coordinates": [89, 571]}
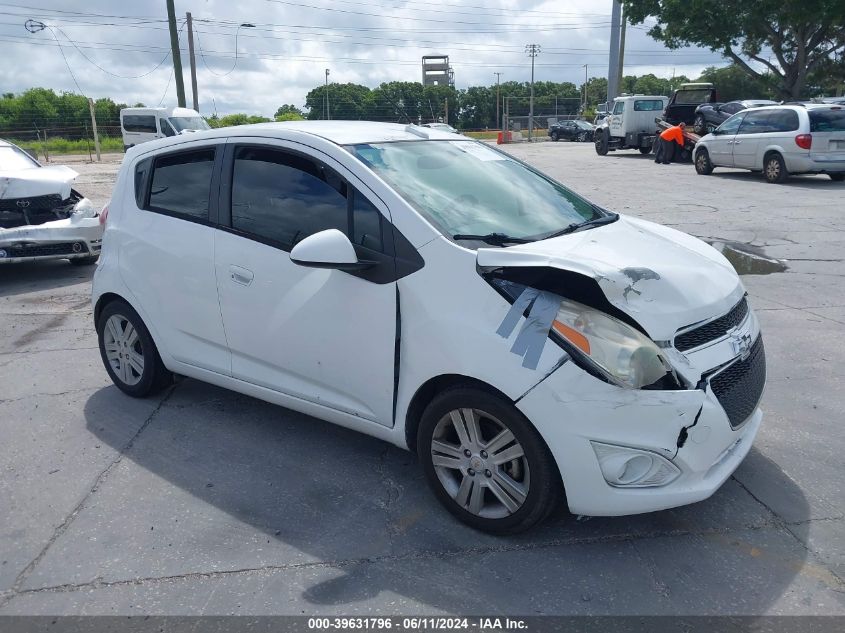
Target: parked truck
{"type": "Point", "coordinates": [630, 125]}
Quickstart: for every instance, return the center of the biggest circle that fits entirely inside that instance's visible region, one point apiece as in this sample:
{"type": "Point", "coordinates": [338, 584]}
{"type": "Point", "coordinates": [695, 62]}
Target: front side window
{"type": "Point", "coordinates": [731, 108]}
{"type": "Point", "coordinates": [283, 197]}
{"type": "Point", "coordinates": [180, 123]}
{"type": "Point", "coordinates": [464, 187]}
{"type": "Point", "coordinates": [165, 128]}
{"type": "Point", "coordinates": [619, 107]}
{"type": "Point", "coordinates": [139, 123]}
{"type": "Point", "coordinates": [756, 122]}
{"type": "Point", "coordinates": [731, 126]}
{"type": "Point", "coordinates": [647, 105]}
{"type": "Point", "coordinates": [181, 183]}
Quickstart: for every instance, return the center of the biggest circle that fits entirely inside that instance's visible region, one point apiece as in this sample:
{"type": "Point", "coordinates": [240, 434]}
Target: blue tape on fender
{"type": "Point", "coordinates": [532, 337]}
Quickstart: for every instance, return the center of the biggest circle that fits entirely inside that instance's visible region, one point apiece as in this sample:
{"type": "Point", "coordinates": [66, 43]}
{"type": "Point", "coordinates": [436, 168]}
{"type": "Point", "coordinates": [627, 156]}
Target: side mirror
{"type": "Point", "coordinates": [327, 249]}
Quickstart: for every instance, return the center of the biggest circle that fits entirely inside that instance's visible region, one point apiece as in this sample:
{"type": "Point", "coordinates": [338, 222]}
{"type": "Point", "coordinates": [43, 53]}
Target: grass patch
{"type": "Point", "coordinates": [482, 136]}
{"type": "Point", "coordinates": [59, 145]}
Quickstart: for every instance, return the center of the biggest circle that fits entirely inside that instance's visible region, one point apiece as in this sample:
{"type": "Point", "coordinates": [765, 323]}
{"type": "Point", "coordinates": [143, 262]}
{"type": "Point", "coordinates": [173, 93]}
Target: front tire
{"type": "Point", "coordinates": [837, 177]}
{"type": "Point", "coordinates": [602, 142]}
{"type": "Point", "coordinates": [774, 169]}
{"type": "Point", "coordinates": [485, 462]}
{"type": "Point", "coordinates": [129, 353]}
{"type": "Point", "coordinates": [554, 136]}
{"type": "Point", "coordinates": [645, 150]}
{"type": "Point", "coordinates": [703, 164]}
{"type": "Point", "coordinates": [700, 125]}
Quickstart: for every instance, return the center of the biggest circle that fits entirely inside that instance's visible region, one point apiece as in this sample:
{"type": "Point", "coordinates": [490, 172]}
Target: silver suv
{"type": "Point", "coordinates": [779, 141]}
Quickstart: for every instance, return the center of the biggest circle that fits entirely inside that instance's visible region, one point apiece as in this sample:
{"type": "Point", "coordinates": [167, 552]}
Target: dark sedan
{"type": "Point", "coordinates": [711, 115]}
{"type": "Point", "coordinates": [571, 131]}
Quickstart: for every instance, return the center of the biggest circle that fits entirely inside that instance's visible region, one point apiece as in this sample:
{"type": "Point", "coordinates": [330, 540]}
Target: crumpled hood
{"type": "Point", "coordinates": [663, 278]}
{"type": "Point", "coordinates": [37, 181]}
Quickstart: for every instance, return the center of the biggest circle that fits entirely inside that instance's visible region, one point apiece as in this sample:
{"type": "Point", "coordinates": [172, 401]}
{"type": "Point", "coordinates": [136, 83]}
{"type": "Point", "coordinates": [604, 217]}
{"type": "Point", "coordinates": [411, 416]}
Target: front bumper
{"type": "Point", "coordinates": [572, 410]}
{"type": "Point", "coordinates": [61, 239]}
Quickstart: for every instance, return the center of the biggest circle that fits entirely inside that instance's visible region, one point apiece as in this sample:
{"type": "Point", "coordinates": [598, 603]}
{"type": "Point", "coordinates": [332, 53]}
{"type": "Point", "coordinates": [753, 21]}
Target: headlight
{"type": "Point", "coordinates": [621, 351]}
{"type": "Point", "coordinates": [84, 209]}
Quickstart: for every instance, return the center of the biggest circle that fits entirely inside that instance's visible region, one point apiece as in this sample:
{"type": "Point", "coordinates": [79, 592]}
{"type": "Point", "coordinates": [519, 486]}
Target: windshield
{"type": "Point", "coordinates": [464, 187]}
{"type": "Point", "coordinates": [584, 125]}
{"type": "Point", "coordinates": [13, 158]}
{"type": "Point", "coordinates": [180, 123]}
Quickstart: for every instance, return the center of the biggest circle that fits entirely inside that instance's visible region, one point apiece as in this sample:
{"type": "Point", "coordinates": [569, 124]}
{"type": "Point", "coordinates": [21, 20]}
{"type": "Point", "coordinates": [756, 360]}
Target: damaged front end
{"type": "Point", "coordinates": [657, 401]}
{"type": "Point", "coordinates": [42, 217]}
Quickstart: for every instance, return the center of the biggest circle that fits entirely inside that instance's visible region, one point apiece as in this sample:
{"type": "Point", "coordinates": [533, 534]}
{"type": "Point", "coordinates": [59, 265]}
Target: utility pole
{"type": "Point", "coordinates": [174, 53]}
{"type": "Point", "coordinates": [612, 72]}
{"type": "Point", "coordinates": [328, 111]}
{"type": "Point", "coordinates": [93, 126]}
{"type": "Point", "coordinates": [533, 50]}
{"type": "Point", "coordinates": [584, 109]}
{"type": "Point", "coordinates": [190, 22]}
{"type": "Point", "coordinates": [621, 64]}
{"type": "Point", "coordinates": [446, 109]}
{"type": "Point", "coordinates": [498, 75]}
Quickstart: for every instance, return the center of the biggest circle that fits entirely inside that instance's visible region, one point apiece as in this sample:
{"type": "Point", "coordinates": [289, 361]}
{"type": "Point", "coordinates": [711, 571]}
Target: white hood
{"type": "Point", "coordinates": [37, 181]}
{"type": "Point", "coordinates": [662, 278]}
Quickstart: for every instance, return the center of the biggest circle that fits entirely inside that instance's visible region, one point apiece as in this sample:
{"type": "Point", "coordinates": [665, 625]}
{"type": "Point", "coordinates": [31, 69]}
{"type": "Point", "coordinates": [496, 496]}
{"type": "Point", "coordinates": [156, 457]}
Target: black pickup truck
{"type": "Point", "coordinates": [685, 100]}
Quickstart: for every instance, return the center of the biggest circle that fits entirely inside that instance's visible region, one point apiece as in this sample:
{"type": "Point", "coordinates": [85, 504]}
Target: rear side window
{"type": "Point", "coordinates": [139, 123]}
{"type": "Point", "coordinates": [782, 121]}
{"type": "Point", "coordinates": [181, 184]}
{"type": "Point", "coordinates": [283, 197]}
{"type": "Point", "coordinates": [827, 120]}
{"type": "Point", "coordinates": [142, 172]}
{"type": "Point", "coordinates": [647, 105]}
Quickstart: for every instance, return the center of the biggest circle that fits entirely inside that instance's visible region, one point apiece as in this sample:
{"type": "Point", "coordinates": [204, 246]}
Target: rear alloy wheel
{"type": "Point", "coordinates": [774, 169]}
{"type": "Point", "coordinates": [703, 165]}
{"type": "Point", "coordinates": [700, 125]}
{"type": "Point", "coordinates": [602, 142]}
{"type": "Point", "coordinates": [485, 462]}
{"type": "Point", "coordinates": [837, 177]}
{"type": "Point", "coordinates": [129, 353]}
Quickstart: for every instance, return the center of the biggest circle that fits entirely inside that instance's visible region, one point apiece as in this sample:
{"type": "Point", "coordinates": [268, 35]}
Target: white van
{"type": "Point", "coordinates": [139, 125]}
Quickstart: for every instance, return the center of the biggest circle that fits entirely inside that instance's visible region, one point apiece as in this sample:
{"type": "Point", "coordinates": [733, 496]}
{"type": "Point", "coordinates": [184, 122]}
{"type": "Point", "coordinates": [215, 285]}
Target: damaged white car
{"type": "Point", "coordinates": [431, 291]}
{"type": "Point", "coordinates": [41, 216]}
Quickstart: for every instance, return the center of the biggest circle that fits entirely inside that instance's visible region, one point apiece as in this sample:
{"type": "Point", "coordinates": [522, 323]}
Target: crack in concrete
{"type": "Point", "coordinates": [98, 583]}
{"type": "Point", "coordinates": [16, 588]}
{"type": "Point", "coordinates": [60, 393]}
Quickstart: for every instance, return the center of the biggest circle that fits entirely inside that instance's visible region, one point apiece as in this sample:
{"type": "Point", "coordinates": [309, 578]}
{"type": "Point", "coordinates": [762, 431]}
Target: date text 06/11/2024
{"type": "Point", "coordinates": [491, 624]}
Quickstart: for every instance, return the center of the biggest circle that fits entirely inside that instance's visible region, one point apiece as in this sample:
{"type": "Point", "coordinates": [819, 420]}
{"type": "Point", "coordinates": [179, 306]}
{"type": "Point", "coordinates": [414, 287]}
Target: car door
{"type": "Point", "coordinates": [717, 115]}
{"type": "Point", "coordinates": [720, 143]}
{"type": "Point", "coordinates": [617, 119]}
{"type": "Point", "coordinates": [321, 335]}
{"type": "Point", "coordinates": [748, 138]}
{"type": "Point", "coordinates": [167, 253]}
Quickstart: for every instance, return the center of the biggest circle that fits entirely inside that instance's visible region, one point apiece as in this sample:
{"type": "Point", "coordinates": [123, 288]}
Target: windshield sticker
{"type": "Point", "coordinates": [532, 337]}
{"type": "Point", "coordinates": [478, 150]}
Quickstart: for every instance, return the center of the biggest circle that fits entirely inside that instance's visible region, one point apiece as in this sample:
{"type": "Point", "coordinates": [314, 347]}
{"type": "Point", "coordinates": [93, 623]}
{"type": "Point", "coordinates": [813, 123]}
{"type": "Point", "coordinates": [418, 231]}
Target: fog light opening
{"type": "Point", "coordinates": [629, 467]}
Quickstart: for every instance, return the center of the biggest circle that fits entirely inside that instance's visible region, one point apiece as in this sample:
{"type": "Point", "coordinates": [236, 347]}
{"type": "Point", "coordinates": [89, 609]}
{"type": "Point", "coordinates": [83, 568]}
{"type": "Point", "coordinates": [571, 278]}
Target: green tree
{"type": "Point", "coordinates": [288, 112]}
{"type": "Point", "coordinates": [801, 34]}
{"type": "Point", "coordinates": [346, 101]}
{"type": "Point", "coordinates": [235, 119]}
{"type": "Point", "coordinates": [732, 83]}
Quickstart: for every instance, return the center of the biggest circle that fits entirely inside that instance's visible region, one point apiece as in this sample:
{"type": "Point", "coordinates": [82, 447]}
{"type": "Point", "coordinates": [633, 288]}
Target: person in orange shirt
{"type": "Point", "coordinates": [666, 143]}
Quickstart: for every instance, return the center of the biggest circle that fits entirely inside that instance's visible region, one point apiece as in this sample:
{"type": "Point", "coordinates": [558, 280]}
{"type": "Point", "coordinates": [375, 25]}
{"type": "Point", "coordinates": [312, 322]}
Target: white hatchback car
{"type": "Point", "coordinates": [431, 291]}
{"type": "Point", "coordinates": [778, 141]}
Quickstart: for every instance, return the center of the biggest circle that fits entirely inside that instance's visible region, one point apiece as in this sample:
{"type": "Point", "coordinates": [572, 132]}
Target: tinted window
{"type": "Point", "coordinates": [782, 120]}
{"type": "Point", "coordinates": [755, 123]}
{"type": "Point", "coordinates": [367, 225]}
{"type": "Point", "coordinates": [181, 183]}
{"type": "Point", "coordinates": [731, 108]}
{"type": "Point", "coordinates": [141, 173]}
{"type": "Point", "coordinates": [643, 105]}
{"type": "Point", "coordinates": [166, 128]}
{"type": "Point", "coordinates": [139, 123]}
{"type": "Point", "coordinates": [827, 120]}
{"type": "Point", "coordinates": [285, 197]}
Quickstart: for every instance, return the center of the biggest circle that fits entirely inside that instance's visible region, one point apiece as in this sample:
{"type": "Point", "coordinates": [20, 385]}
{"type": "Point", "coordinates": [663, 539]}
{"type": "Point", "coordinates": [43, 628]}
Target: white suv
{"type": "Point", "coordinates": [431, 291]}
{"type": "Point", "coordinates": [778, 141]}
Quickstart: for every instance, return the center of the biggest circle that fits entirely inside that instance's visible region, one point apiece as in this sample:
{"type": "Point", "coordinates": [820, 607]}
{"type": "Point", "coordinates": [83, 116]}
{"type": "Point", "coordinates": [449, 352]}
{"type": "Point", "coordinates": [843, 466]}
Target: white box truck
{"type": "Point", "coordinates": [630, 124]}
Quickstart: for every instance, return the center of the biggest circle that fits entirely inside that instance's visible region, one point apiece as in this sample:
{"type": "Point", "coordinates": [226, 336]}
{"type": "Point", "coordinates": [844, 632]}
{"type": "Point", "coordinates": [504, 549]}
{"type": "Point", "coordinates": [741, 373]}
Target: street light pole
{"type": "Point", "coordinates": [328, 110]}
{"type": "Point", "coordinates": [498, 122]}
{"type": "Point", "coordinates": [533, 50]}
{"type": "Point", "coordinates": [584, 109]}
{"type": "Point", "coordinates": [175, 54]}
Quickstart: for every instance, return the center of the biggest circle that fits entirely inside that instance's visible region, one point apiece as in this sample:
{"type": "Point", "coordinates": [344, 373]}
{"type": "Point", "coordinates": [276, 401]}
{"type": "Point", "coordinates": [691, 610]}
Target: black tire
{"type": "Point", "coordinates": [554, 136]}
{"type": "Point", "coordinates": [700, 125]}
{"type": "Point", "coordinates": [85, 261]}
{"type": "Point", "coordinates": [601, 142]}
{"type": "Point", "coordinates": [703, 164]}
{"type": "Point", "coordinates": [155, 376]}
{"type": "Point", "coordinates": [774, 169]}
{"type": "Point", "coordinates": [544, 486]}
{"type": "Point", "coordinates": [645, 150]}
{"type": "Point", "coordinates": [582, 137]}
{"type": "Point", "coordinates": [837, 177]}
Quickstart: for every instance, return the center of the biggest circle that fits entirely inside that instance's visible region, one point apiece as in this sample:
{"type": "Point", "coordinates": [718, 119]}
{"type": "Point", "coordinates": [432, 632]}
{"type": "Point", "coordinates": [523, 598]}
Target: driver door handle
{"type": "Point", "coordinates": [240, 275]}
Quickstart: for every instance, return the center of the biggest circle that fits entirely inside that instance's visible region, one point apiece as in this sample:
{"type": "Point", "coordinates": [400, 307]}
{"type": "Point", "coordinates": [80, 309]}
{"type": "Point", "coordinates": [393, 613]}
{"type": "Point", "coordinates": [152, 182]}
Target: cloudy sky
{"type": "Point", "coordinates": [120, 49]}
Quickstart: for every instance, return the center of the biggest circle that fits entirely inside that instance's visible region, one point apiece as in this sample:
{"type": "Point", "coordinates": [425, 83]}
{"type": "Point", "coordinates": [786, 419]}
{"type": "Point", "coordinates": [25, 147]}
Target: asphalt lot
{"type": "Point", "coordinates": [207, 502]}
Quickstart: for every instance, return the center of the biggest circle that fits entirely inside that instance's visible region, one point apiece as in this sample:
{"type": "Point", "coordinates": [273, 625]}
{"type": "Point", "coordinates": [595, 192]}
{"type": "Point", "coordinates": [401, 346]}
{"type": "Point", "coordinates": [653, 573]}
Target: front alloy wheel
{"type": "Point", "coordinates": [486, 462]}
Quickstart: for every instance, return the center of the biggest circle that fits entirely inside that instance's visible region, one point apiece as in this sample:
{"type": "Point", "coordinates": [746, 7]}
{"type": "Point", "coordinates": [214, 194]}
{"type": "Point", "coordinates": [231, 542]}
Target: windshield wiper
{"type": "Point", "coordinates": [497, 239]}
{"type": "Point", "coordinates": [577, 226]}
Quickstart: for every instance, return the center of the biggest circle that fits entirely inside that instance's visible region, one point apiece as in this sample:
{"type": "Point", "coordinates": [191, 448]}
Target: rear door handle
{"type": "Point", "coordinates": [737, 142]}
{"type": "Point", "coordinates": [240, 275]}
